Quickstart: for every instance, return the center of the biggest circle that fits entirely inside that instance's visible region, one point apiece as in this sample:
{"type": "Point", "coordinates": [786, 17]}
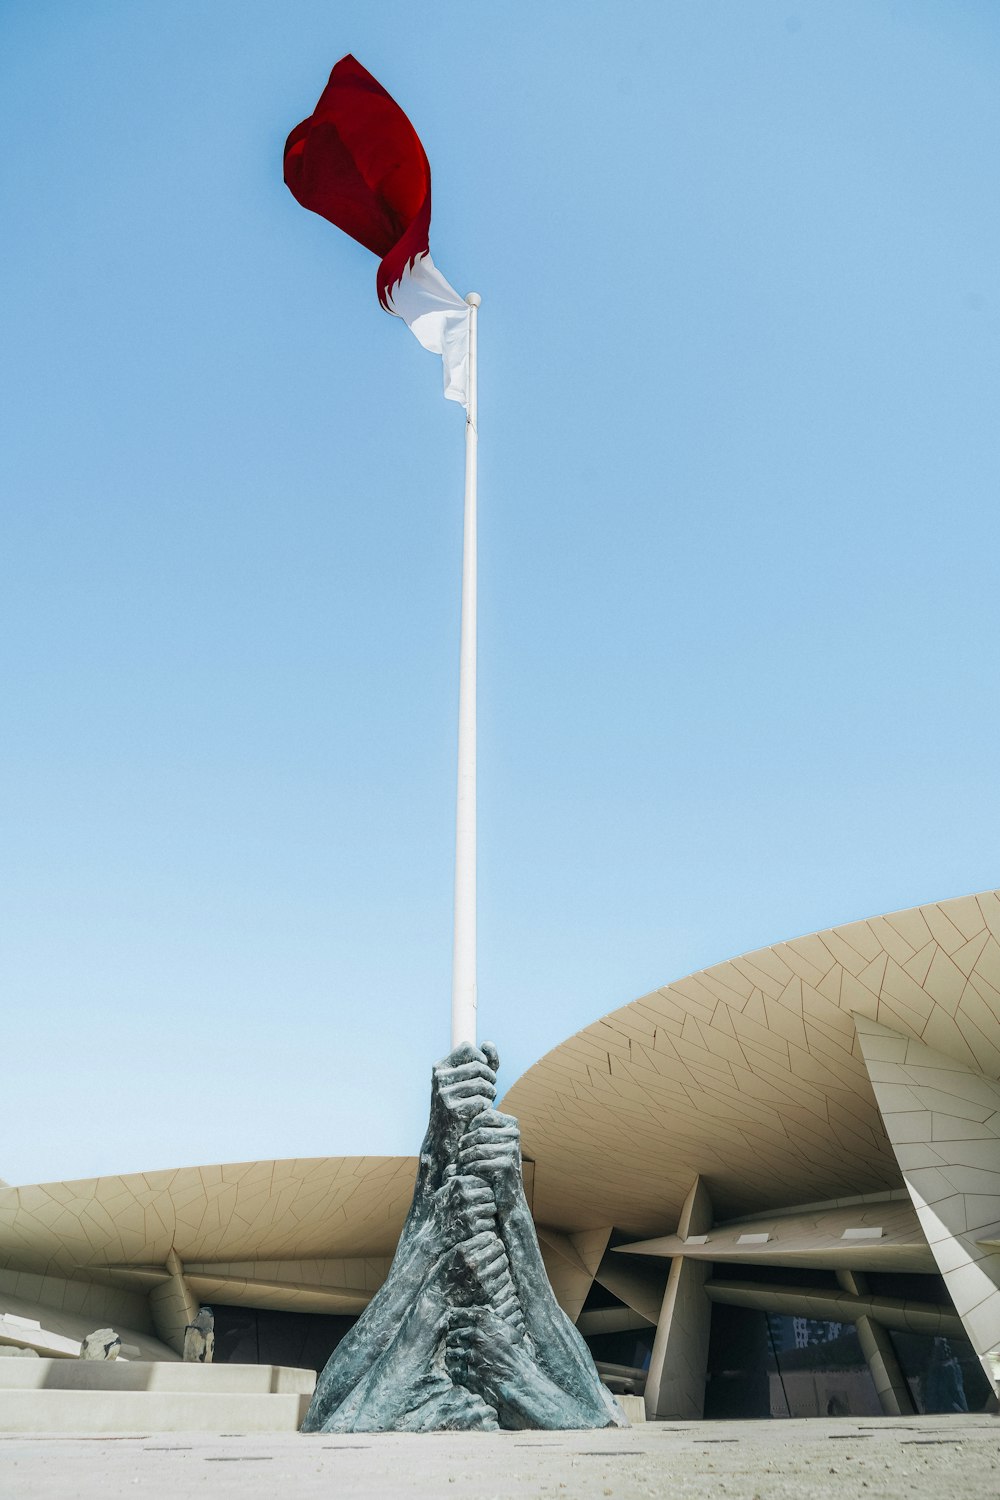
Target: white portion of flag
{"type": "Point", "coordinates": [439, 318]}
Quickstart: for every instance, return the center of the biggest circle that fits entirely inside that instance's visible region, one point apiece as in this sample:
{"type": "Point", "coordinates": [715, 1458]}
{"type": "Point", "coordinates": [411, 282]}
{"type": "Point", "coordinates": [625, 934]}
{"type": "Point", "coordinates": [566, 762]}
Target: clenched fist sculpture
{"type": "Point", "coordinates": [465, 1333]}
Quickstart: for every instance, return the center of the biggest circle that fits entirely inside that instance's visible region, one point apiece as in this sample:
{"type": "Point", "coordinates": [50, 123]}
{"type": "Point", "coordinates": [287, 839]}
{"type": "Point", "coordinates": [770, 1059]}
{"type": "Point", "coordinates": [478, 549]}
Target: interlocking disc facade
{"type": "Point", "coordinates": [771, 1188]}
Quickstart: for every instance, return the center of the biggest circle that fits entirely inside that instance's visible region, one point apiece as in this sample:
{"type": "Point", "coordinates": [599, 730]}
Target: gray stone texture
{"type": "Point", "coordinates": [104, 1343]}
{"type": "Point", "coordinates": [199, 1338]}
{"type": "Point", "coordinates": [465, 1333]}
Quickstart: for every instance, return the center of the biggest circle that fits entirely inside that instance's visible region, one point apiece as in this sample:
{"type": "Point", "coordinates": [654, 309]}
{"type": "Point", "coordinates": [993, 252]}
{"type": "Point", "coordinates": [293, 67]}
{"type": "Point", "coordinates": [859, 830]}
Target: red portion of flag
{"type": "Point", "coordinates": [358, 162]}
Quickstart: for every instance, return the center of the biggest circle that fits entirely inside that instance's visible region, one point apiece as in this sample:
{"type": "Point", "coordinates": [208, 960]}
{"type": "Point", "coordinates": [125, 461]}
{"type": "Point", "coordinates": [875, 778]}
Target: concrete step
{"type": "Point", "coordinates": [634, 1408]}
{"type": "Point", "coordinates": [154, 1375]}
{"type": "Point", "coordinates": [118, 1411]}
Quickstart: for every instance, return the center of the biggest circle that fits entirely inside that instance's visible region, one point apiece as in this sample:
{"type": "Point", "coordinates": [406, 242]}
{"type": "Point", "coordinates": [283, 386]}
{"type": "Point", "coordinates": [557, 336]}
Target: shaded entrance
{"type": "Point", "coordinates": [262, 1336]}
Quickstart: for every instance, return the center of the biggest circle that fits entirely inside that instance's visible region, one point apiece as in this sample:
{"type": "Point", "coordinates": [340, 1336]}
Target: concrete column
{"type": "Point", "coordinates": [675, 1384]}
{"type": "Point", "coordinates": [171, 1305]}
{"type": "Point", "coordinates": [876, 1346]}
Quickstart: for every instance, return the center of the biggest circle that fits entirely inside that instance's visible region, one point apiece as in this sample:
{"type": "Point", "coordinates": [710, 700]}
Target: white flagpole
{"type": "Point", "coordinates": [463, 971]}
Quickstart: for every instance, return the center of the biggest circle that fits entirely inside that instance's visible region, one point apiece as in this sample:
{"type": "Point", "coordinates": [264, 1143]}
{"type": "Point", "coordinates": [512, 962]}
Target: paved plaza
{"type": "Point", "coordinates": [938, 1458]}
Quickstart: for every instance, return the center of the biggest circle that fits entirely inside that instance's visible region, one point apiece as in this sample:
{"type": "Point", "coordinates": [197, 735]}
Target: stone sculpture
{"type": "Point", "coordinates": [103, 1344]}
{"type": "Point", "coordinates": [465, 1333]}
{"type": "Point", "coordinates": [199, 1338]}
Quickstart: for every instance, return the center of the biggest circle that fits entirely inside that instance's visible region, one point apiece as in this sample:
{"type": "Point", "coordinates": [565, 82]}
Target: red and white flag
{"type": "Point", "coordinates": [358, 162]}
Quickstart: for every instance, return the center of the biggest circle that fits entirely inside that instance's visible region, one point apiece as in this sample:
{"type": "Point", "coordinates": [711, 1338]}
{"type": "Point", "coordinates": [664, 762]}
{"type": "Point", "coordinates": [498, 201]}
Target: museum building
{"type": "Point", "coordinates": [769, 1189]}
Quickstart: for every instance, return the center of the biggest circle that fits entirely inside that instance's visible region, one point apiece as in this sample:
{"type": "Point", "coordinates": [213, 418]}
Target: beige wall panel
{"type": "Point", "coordinates": [273, 1210]}
{"type": "Point", "coordinates": [639, 1285]}
{"type": "Point", "coordinates": [103, 1304]}
{"type": "Point", "coordinates": [172, 1304]}
{"type": "Point", "coordinates": [749, 1073]}
{"type": "Point", "coordinates": [952, 1170]}
{"type": "Point", "coordinates": [823, 1236]}
{"type": "Point", "coordinates": [58, 1331]}
{"type": "Point", "coordinates": [570, 1264]}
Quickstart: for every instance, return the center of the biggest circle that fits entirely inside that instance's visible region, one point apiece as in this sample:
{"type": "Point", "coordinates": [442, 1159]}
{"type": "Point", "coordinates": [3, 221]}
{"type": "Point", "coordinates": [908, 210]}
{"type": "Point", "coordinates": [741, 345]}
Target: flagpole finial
{"type": "Point", "coordinates": [473, 299]}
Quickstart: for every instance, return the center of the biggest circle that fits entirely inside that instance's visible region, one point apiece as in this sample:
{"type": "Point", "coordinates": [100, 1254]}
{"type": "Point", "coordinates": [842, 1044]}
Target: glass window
{"type": "Point", "coordinates": [944, 1375]}
{"type": "Point", "coordinates": [820, 1369]}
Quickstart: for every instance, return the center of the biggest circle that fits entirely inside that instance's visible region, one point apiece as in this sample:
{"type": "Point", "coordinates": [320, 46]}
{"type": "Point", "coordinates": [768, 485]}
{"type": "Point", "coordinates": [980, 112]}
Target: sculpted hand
{"type": "Point", "coordinates": [504, 1372]}
{"type": "Point", "coordinates": [481, 1351]}
{"type": "Point", "coordinates": [463, 1084]}
{"type": "Point", "coordinates": [482, 1354]}
{"type": "Point", "coordinates": [462, 1209]}
{"type": "Point", "coordinates": [465, 1081]}
{"type": "Point", "coordinates": [490, 1148]}
{"type": "Point", "coordinates": [478, 1271]}
{"type": "Point", "coordinates": [478, 1274]}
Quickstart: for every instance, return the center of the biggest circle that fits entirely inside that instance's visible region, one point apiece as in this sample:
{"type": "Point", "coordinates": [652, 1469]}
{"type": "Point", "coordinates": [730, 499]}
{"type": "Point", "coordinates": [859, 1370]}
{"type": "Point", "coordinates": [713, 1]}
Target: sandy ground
{"type": "Point", "coordinates": [936, 1458]}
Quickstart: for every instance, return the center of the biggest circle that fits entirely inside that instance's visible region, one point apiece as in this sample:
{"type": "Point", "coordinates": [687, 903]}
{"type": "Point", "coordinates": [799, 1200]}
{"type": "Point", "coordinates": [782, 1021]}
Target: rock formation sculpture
{"type": "Point", "coordinates": [199, 1338]}
{"type": "Point", "coordinates": [104, 1343]}
{"type": "Point", "coordinates": [465, 1333]}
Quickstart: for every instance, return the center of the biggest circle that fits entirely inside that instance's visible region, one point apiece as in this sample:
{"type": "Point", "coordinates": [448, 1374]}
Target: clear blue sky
{"type": "Point", "coordinates": [739, 479]}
